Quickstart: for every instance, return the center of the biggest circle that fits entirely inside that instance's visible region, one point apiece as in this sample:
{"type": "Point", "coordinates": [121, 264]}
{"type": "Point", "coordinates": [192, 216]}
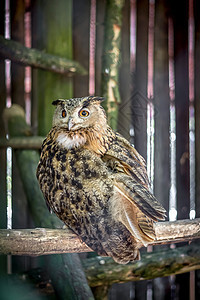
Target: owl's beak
{"type": "Point", "coordinates": [70, 123]}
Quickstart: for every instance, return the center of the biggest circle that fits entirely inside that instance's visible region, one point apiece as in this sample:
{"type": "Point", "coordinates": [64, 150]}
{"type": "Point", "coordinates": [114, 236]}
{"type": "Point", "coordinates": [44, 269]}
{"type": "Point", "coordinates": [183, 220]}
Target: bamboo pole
{"type": "Point", "coordinates": [16, 52]}
{"type": "Point", "coordinates": [43, 241]}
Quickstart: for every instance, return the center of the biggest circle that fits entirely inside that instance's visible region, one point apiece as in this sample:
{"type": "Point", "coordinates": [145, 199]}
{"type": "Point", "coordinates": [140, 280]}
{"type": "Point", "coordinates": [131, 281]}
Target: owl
{"type": "Point", "coordinates": [96, 182]}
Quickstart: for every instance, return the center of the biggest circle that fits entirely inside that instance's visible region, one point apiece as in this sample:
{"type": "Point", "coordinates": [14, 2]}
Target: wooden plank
{"type": "Point", "coordinates": [182, 107]}
{"type": "Point", "coordinates": [197, 124]}
{"type": "Point", "coordinates": [100, 26]}
{"type": "Point", "coordinates": [19, 203]}
{"type": "Point", "coordinates": [162, 123]}
{"type": "Point", "coordinates": [81, 27]}
{"type": "Point", "coordinates": [139, 94]}
{"type": "Point", "coordinates": [139, 97]}
{"type": "Point", "coordinates": [17, 9]}
{"type": "Point", "coordinates": [180, 19]}
{"type": "Point", "coordinates": [162, 105]}
{"type": "Point", "coordinates": [2, 130]}
{"type": "Point", "coordinates": [197, 104]}
{"type": "Point", "coordinates": [120, 291]}
{"type": "Point", "coordinates": [124, 119]}
{"type": "Point", "coordinates": [3, 197]}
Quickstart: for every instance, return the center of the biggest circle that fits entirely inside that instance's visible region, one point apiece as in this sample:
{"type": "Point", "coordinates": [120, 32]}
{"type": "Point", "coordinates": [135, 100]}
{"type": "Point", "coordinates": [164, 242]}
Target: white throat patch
{"type": "Point", "coordinates": [70, 142]}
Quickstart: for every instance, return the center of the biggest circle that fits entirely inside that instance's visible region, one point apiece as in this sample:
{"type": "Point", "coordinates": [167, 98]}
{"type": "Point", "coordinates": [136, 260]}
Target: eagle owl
{"type": "Point", "coordinates": [96, 182]}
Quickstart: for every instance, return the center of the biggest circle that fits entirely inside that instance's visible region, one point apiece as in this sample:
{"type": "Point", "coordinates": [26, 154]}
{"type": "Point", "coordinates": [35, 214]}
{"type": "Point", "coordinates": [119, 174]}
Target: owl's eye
{"type": "Point", "coordinates": [84, 113]}
{"type": "Point", "coordinates": [64, 114]}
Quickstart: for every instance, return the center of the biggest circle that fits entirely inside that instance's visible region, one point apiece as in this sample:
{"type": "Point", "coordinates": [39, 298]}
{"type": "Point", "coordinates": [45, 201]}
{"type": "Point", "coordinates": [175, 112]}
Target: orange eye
{"type": "Point", "coordinates": [84, 113]}
{"type": "Point", "coordinates": [64, 113]}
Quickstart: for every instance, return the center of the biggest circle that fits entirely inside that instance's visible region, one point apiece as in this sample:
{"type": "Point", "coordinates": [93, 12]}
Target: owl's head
{"type": "Point", "coordinates": [78, 113]}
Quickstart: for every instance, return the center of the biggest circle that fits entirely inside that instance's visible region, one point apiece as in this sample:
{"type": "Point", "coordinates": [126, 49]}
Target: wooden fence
{"type": "Point", "coordinates": [156, 101]}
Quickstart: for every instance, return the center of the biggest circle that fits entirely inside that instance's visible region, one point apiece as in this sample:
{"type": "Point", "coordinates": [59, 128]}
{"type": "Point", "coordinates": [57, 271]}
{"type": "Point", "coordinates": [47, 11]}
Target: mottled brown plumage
{"type": "Point", "coordinates": [96, 182]}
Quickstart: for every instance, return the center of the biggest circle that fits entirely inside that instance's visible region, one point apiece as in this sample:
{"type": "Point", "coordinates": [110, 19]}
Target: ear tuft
{"type": "Point", "coordinates": [92, 99]}
{"type": "Point", "coordinates": [57, 102]}
{"type": "Point", "coordinates": [96, 99]}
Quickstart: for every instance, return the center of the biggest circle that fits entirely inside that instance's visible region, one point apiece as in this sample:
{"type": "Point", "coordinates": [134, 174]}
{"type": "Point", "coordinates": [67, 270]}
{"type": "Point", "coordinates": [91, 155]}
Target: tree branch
{"type": "Point", "coordinates": [38, 59]}
{"type": "Point", "coordinates": [43, 241]}
{"type": "Point", "coordinates": [104, 271]}
{"type": "Point", "coordinates": [32, 142]}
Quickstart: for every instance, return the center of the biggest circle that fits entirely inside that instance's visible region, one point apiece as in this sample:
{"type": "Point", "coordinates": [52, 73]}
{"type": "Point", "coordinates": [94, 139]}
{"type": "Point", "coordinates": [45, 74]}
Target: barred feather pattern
{"type": "Point", "coordinates": [95, 181]}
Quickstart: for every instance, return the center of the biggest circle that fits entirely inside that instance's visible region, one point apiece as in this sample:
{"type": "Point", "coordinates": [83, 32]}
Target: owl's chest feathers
{"type": "Point", "coordinates": [70, 142]}
{"type": "Point", "coordinates": [92, 139]}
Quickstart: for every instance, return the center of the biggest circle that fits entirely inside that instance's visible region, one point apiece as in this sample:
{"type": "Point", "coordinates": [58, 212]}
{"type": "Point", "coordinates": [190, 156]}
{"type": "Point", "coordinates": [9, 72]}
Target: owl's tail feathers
{"type": "Point", "coordinates": [127, 212]}
{"type": "Point", "coordinates": [120, 251]}
{"type": "Point", "coordinates": [139, 195]}
{"type": "Point", "coordinates": [133, 256]}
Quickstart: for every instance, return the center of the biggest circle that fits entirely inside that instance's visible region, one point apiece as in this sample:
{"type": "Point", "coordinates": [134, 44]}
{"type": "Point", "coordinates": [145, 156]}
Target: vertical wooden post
{"type": "Point", "coordinates": [180, 18]}
{"type": "Point", "coordinates": [81, 26]}
{"type": "Point", "coordinates": [197, 122]}
{"type": "Point", "coordinates": [182, 107]}
{"type": "Point", "coordinates": [139, 98]}
{"type": "Point", "coordinates": [124, 120]}
{"type": "Point", "coordinates": [139, 94]}
{"type": "Point", "coordinates": [100, 17]}
{"type": "Point", "coordinates": [3, 199]}
{"type": "Point", "coordinates": [197, 104]}
{"type": "Point", "coordinates": [19, 203]}
{"type": "Point", "coordinates": [162, 121]}
{"type": "Point", "coordinates": [162, 105]}
{"type": "Point", "coordinates": [51, 32]}
{"type": "Point", "coordinates": [2, 131]}
{"type": "Point", "coordinates": [17, 10]}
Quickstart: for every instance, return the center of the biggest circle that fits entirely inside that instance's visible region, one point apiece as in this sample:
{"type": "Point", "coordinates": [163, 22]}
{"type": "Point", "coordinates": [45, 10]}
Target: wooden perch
{"type": "Point", "coordinates": [42, 241]}
{"type": "Point", "coordinates": [38, 59]}
{"type": "Point", "coordinates": [103, 271]}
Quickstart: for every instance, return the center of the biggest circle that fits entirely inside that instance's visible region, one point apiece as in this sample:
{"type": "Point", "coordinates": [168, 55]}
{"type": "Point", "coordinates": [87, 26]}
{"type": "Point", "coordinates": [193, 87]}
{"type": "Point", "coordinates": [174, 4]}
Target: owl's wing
{"type": "Point", "coordinates": [133, 204]}
{"type": "Point", "coordinates": [126, 159]}
{"type": "Point", "coordinates": [138, 194]}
